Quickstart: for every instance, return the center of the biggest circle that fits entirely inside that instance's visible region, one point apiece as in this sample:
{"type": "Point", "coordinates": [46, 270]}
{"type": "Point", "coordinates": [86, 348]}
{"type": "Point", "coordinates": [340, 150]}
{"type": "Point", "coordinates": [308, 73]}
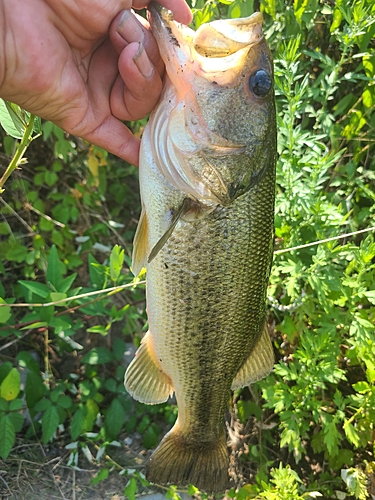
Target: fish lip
{"type": "Point", "coordinates": [157, 15]}
{"type": "Point", "coordinates": [163, 25]}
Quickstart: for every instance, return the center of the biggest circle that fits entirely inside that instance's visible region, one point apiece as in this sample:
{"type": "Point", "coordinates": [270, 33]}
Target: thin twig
{"type": "Point", "coordinates": [339, 237]}
{"type": "Point", "coordinates": [30, 207]}
{"type": "Point", "coordinates": [6, 484]}
{"type": "Point", "coordinates": [74, 485]}
{"type": "Point", "coordinates": [109, 291]}
{"type": "Point", "coordinates": [3, 347]}
{"type": "Point", "coordinates": [20, 151]}
{"type": "Point", "coordinates": [30, 229]}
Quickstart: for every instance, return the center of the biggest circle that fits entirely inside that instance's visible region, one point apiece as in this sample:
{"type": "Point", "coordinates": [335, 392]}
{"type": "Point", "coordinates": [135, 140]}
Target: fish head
{"type": "Point", "coordinates": [221, 112]}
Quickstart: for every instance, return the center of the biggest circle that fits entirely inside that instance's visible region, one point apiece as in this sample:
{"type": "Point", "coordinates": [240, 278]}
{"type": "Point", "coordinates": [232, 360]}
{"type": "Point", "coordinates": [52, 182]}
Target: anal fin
{"type": "Point", "coordinates": [259, 363]}
{"type": "Point", "coordinates": [144, 379]}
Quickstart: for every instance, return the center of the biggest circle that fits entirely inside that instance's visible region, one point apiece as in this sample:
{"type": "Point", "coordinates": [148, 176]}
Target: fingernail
{"type": "Point", "coordinates": [129, 28]}
{"type": "Point", "coordinates": [142, 62]}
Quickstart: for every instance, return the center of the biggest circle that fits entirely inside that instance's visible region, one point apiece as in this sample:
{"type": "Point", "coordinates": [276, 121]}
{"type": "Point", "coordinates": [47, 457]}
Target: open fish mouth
{"type": "Point", "coordinates": [227, 40]}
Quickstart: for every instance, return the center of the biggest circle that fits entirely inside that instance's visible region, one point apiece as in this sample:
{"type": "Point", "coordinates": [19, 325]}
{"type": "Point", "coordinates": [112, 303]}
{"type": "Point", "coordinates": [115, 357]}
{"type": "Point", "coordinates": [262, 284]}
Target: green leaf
{"type": "Point", "coordinates": [115, 262]}
{"type": "Point", "coordinates": [151, 437]}
{"type": "Point", "coordinates": [101, 476]}
{"type": "Point", "coordinates": [299, 9]}
{"type": "Point", "coordinates": [131, 489]}
{"type": "Point", "coordinates": [370, 294]}
{"type": "Point", "coordinates": [331, 438]}
{"type": "Point", "coordinates": [45, 224]}
{"type": "Point", "coordinates": [98, 356]}
{"type": "Point", "coordinates": [351, 434]}
{"type": "Point", "coordinates": [15, 404]}
{"type": "Point", "coordinates": [9, 145]}
{"type": "Point", "coordinates": [17, 253]}
{"type": "Point", "coordinates": [34, 389]}
{"type": "Point", "coordinates": [57, 296]}
{"type": "Point", "coordinates": [65, 401]}
{"type": "Point", "coordinates": [60, 325]}
{"type": "Point", "coordinates": [361, 386]}
{"type": "Point", "coordinates": [26, 360]}
{"type": "Point", "coordinates": [42, 405]}
{"type": "Point", "coordinates": [37, 324]}
{"type": "Point", "coordinates": [47, 129]}
{"type": "Point", "coordinates": [36, 288]}
{"type": "Point", "coordinates": [11, 385]}
{"type": "Point", "coordinates": [103, 330]}
{"type": "Point", "coordinates": [77, 424]}
{"type": "Point", "coordinates": [54, 275]}
{"type": "Point", "coordinates": [5, 312]}
{"type": "Point", "coordinates": [110, 384]}
{"type": "Point", "coordinates": [57, 238]}
{"type": "Point", "coordinates": [5, 369]}
{"type": "Point", "coordinates": [50, 178]}
{"type": "Point", "coordinates": [37, 128]}
{"type": "Point", "coordinates": [246, 409]}
{"type": "Point", "coordinates": [17, 420]}
{"type": "Point", "coordinates": [97, 273]}
{"type": "Point", "coordinates": [66, 283]}
{"type": "Point", "coordinates": [7, 436]}
{"type": "Point", "coordinates": [56, 393]}
{"type": "Point", "coordinates": [50, 423]}
{"type": "Point", "coordinates": [9, 120]}
{"type": "Point", "coordinates": [115, 418]}
{"type": "Point", "coordinates": [91, 414]}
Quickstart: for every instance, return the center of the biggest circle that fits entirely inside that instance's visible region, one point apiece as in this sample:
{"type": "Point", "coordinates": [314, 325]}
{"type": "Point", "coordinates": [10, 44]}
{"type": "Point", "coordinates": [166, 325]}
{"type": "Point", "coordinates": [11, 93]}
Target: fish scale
{"type": "Point", "coordinates": [207, 178]}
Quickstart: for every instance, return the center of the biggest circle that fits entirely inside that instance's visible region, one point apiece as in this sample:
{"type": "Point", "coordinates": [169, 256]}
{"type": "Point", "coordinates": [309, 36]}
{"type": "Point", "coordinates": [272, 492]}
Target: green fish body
{"type": "Point", "coordinates": [207, 177]}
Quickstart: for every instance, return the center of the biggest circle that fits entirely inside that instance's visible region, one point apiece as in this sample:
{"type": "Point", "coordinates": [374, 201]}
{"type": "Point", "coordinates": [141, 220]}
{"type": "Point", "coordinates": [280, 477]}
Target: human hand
{"type": "Point", "coordinates": [83, 64]}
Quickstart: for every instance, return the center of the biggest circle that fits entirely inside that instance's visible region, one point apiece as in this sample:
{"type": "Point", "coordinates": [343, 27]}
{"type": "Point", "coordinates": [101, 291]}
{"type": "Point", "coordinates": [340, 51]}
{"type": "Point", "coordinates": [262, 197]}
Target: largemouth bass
{"type": "Point", "coordinates": [207, 179]}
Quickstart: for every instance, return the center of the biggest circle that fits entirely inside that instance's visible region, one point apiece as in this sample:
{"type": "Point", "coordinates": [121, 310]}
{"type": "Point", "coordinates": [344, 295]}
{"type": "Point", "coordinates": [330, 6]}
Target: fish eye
{"type": "Point", "coordinates": [260, 82]}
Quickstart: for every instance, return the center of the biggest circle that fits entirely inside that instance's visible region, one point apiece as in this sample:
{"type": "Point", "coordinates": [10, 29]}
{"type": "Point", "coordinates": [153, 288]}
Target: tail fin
{"type": "Point", "coordinates": [180, 462]}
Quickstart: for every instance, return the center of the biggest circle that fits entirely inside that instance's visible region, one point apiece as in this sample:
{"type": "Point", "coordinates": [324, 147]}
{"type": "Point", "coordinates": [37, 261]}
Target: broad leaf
{"type": "Point", "coordinates": [97, 356]}
{"type": "Point", "coordinates": [11, 385]}
{"type": "Point", "coordinates": [97, 273]}
{"type": "Point", "coordinates": [115, 418]}
{"type": "Point", "coordinates": [18, 420]}
{"type": "Point", "coordinates": [9, 120]}
{"type": "Point", "coordinates": [7, 435]}
{"type": "Point", "coordinates": [5, 312]}
{"type": "Point", "coordinates": [37, 288]}
{"type": "Point", "coordinates": [54, 275]}
{"type": "Point", "coordinates": [101, 475]}
{"type": "Point", "coordinates": [50, 422]}
{"type": "Point", "coordinates": [77, 423]}
{"type": "Point", "coordinates": [115, 262]}
{"type": "Point", "coordinates": [131, 489]}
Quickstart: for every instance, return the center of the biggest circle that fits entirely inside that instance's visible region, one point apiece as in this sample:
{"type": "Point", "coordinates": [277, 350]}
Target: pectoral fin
{"type": "Point", "coordinates": [259, 363]}
{"type": "Point", "coordinates": [187, 206]}
{"type": "Point", "coordinates": [140, 245]}
{"type": "Point", "coordinates": [144, 379]}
